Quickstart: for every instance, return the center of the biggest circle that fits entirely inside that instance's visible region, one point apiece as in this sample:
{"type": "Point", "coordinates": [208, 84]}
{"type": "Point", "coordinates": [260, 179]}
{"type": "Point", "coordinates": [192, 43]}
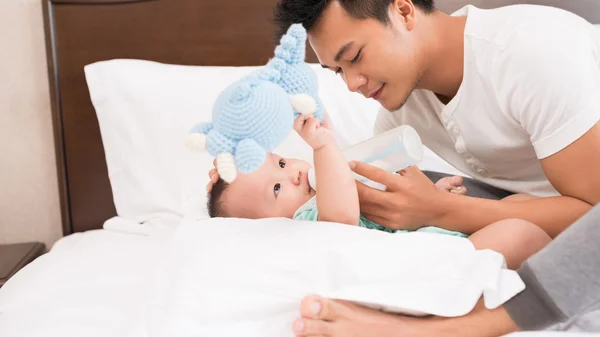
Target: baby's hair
{"type": "Point", "coordinates": [215, 205]}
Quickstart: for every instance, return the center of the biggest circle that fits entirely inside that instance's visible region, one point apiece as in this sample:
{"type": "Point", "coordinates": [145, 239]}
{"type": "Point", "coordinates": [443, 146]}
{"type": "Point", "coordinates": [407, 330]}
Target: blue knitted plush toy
{"type": "Point", "coordinates": [255, 114]}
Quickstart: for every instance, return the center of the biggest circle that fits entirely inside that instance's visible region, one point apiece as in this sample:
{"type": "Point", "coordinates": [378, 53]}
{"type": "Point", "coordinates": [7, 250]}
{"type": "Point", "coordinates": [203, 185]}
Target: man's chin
{"type": "Point", "coordinates": [395, 104]}
{"type": "Point", "coordinates": [392, 106]}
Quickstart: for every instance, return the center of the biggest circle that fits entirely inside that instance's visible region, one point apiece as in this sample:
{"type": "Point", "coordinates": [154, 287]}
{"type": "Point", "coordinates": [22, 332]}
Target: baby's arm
{"type": "Point", "coordinates": [337, 196]}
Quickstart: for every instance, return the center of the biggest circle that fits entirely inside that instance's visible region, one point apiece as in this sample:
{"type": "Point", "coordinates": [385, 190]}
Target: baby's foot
{"type": "Point", "coordinates": [452, 185]}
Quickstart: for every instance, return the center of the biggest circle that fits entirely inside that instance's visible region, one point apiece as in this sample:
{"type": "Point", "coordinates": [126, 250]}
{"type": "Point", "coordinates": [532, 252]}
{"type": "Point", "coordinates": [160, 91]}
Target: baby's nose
{"type": "Point", "coordinates": [297, 177]}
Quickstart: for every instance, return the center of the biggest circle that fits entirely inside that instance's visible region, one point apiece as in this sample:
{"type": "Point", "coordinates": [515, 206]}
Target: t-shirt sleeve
{"type": "Point", "coordinates": [548, 80]}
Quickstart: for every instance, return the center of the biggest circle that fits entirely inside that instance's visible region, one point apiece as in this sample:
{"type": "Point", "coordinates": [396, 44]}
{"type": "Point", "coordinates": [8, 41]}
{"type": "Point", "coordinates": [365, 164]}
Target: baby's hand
{"type": "Point", "coordinates": [309, 128]}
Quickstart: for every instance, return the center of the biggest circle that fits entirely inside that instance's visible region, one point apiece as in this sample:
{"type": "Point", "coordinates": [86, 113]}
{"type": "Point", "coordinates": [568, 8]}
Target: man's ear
{"type": "Point", "coordinates": [403, 12]}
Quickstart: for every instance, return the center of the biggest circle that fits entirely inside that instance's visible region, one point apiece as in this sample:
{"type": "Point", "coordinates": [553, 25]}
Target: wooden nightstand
{"type": "Point", "coordinates": [13, 257]}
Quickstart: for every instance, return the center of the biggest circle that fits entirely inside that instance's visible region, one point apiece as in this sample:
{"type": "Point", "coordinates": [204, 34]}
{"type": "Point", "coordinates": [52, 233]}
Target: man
{"type": "Point", "coordinates": [510, 96]}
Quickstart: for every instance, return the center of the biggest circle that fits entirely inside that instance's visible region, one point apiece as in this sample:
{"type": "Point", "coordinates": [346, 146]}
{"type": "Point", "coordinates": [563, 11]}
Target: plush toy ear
{"type": "Point", "coordinates": [303, 104]}
{"type": "Point", "coordinates": [249, 155]}
{"type": "Point", "coordinates": [196, 139]}
{"type": "Point", "coordinates": [225, 164]}
{"type": "Point", "coordinates": [292, 46]}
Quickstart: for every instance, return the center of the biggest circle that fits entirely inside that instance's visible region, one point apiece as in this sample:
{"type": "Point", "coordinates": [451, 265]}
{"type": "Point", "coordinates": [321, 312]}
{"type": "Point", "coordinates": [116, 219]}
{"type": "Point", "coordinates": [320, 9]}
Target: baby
{"type": "Point", "coordinates": [280, 187]}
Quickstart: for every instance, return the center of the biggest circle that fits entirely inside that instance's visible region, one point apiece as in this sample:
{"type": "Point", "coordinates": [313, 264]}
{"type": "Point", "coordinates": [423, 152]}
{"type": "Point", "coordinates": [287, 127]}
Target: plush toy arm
{"type": "Point", "coordinates": [196, 139]}
{"type": "Point", "coordinates": [249, 156]}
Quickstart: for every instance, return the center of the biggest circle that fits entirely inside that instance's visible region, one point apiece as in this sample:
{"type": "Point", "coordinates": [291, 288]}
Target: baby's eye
{"type": "Point", "coordinates": [276, 189]}
{"type": "Point", "coordinates": [281, 163]}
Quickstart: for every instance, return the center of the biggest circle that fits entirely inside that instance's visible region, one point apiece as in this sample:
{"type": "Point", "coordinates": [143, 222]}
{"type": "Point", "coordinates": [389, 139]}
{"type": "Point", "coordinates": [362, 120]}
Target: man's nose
{"type": "Point", "coordinates": [354, 81]}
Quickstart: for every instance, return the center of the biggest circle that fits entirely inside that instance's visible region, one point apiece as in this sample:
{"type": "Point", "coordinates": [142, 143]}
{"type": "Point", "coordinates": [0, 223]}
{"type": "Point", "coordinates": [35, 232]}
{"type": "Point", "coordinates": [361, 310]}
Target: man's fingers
{"type": "Point", "coordinates": [370, 196]}
{"type": "Point", "coordinates": [373, 173]}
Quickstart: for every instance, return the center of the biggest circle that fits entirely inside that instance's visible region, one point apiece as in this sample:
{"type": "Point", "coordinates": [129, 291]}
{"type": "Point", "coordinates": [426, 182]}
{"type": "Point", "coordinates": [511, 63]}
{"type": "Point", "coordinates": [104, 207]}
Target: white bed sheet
{"type": "Point", "coordinates": [90, 284]}
{"type": "Point", "coordinates": [100, 283]}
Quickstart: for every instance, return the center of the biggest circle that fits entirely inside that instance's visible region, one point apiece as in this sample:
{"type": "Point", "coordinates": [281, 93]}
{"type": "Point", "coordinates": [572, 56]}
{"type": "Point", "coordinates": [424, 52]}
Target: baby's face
{"type": "Point", "coordinates": [277, 189]}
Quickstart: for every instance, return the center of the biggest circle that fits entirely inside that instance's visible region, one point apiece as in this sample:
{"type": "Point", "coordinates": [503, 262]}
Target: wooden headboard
{"type": "Point", "coordinates": [187, 32]}
{"type": "Point", "coordinates": [80, 32]}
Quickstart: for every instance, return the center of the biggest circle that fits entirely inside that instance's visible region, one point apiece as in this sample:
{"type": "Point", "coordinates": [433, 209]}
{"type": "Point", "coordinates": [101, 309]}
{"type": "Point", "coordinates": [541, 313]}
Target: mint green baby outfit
{"type": "Point", "coordinates": [309, 212]}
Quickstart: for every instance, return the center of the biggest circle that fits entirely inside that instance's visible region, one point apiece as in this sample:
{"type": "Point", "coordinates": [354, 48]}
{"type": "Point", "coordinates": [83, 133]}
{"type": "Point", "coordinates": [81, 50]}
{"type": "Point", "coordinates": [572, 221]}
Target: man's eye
{"type": "Point", "coordinates": [355, 59]}
{"type": "Point", "coordinates": [276, 189]}
{"type": "Point", "coordinates": [338, 71]}
{"type": "Point", "coordinates": [282, 163]}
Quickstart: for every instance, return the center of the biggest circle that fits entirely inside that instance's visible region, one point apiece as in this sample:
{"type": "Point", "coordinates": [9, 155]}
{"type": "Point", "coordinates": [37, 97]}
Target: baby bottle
{"type": "Point", "coordinates": [392, 151]}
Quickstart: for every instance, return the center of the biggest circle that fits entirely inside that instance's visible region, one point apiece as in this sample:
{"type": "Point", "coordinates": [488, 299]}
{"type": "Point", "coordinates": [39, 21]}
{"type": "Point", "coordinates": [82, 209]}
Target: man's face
{"type": "Point", "coordinates": [377, 60]}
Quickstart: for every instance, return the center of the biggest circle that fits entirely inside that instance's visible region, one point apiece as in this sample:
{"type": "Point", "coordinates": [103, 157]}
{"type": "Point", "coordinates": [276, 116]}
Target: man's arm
{"type": "Point", "coordinates": [469, 214]}
{"type": "Point", "coordinates": [575, 171]}
{"type": "Point", "coordinates": [412, 200]}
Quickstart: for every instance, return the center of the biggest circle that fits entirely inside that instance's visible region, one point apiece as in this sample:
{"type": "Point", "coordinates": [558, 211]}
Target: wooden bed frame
{"type": "Point", "coordinates": [188, 32]}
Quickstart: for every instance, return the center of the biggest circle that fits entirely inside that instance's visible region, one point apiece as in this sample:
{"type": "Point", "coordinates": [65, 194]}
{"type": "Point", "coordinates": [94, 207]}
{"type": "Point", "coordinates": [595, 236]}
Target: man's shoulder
{"type": "Point", "coordinates": [504, 25]}
{"type": "Point", "coordinates": [527, 42]}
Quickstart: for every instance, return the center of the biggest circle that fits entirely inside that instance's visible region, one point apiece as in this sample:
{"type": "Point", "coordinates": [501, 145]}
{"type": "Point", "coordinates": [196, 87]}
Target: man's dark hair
{"type": "Point", "coordinates": [215, 205]}
{"type": "Point", "coordinates": [308, 12]}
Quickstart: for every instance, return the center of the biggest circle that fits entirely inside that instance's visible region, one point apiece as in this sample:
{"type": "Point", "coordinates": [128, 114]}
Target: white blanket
{"type": "Point", "coordinates": [234, 277]}
{"type": "Point", "coordinates": [92, 284]}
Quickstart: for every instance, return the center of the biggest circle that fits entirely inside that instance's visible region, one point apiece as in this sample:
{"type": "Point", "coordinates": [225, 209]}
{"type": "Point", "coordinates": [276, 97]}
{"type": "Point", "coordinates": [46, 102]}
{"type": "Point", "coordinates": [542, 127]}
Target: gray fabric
{"type": "Point", "coordinates": [474, 187]}
{"type": "Point", "coordinates": [563, 280]}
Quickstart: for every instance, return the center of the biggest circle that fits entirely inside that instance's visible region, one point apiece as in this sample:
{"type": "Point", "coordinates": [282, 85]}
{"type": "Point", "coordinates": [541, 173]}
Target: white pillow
{"type": "Point", "coordinates": [145, 109]}
{"type": "Point", "coordinates": [263, 268]}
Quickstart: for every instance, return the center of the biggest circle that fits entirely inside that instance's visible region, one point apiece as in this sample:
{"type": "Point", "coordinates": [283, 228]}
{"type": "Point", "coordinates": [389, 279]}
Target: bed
{"type": "Point", "coordinates": [118, 219]}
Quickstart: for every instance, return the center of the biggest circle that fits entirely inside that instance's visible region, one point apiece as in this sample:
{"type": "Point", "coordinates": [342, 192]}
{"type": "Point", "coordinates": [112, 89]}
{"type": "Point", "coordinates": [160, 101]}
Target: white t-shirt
{"type": "Point", "coordinates": [531, 87]}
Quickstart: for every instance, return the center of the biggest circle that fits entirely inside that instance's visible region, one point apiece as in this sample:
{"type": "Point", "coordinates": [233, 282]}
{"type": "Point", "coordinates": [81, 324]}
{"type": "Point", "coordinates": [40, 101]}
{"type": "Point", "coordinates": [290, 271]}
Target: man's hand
{"type": "Point", "coordinates": [410, 201]}
{"type": "Point", "coordinates": [314, 134]}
